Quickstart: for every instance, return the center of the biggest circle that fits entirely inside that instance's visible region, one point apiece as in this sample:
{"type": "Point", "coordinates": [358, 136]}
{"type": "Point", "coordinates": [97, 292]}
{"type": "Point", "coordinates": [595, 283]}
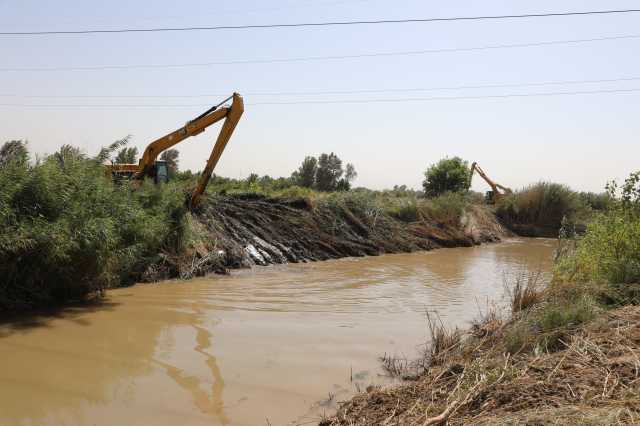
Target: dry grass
{"type": "Point", "coordinates": [526, 292]}
{"type": "Point", "coordinates": [396, 366]}
{"type": "Point", "coordinates": [442, 341]}
{"type": "Point", "coordinates": [594, 379]}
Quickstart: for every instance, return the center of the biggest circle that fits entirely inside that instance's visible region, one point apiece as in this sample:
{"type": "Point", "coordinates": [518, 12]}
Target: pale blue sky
{"type": "Point", "coordinates": [581, 140]}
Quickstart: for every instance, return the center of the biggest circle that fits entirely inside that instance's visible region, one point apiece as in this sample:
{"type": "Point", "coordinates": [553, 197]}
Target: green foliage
{"type": "Point", "coordinates": [127, 155]}
{"type": "Point", "coordinates": [609, 252]}
{"type": "Point", "coordinates": [447, 208]}
{"type": "Point", "coordinates": [171, 157]}
{"type": "Point", "coordinates": [106, 152]}
{"type": "Point", "coordinates": [543, 204]}
{"type": "Point", "coordinates": [405, 209]}
{"type": "Point", "coordinates": [595, 271]}
{"type": "Point", "coordinates": [447, 175]}
{"type": "Point", "coordinates": [324, 173]}
{"type": "Point", "coordinates": [305, 176]}
{"type": "Point", "coordinates": [14, 152]}
{"type": "Point", "coordinates": [68, 231]}
{"type": "Point", "coordinates": [329, 172]}
{"type": "Point", "coordinates": [566, 313]}
{"type": "Point", "coordinates": [596, 201]}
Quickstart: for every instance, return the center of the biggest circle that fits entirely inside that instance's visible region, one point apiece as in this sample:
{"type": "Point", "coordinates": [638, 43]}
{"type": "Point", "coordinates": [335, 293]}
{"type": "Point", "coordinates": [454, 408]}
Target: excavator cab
{"type": "Point", "coordinates": [490, 197]}
{"type": "Point", "coordinates": [160, 172]}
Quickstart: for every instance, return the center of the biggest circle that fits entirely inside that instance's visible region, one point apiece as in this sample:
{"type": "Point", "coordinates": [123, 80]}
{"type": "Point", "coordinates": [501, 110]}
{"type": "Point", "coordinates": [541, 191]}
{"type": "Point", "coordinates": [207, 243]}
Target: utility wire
{"type": "Point", "coordinates": [324, 58]}
{"type": "Point", "coordinates": [346, 101]}
{"type": "Point", "coordinates": [336, 92]}
{"type": "Point", "coordinates": [319, 24]}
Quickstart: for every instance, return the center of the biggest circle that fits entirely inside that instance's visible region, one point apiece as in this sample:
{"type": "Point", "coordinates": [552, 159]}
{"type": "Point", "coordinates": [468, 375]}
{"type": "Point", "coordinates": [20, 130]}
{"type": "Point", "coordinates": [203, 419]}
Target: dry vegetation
{"type": "Point", "coordinates": [480, 378]}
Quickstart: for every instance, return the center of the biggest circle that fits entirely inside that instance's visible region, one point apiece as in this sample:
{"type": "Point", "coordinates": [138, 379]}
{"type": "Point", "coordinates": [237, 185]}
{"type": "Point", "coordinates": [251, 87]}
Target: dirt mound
{"type": "Point", "coordinates": [243, 230]}
{"type": "Point", "coordinates": [593, 380]}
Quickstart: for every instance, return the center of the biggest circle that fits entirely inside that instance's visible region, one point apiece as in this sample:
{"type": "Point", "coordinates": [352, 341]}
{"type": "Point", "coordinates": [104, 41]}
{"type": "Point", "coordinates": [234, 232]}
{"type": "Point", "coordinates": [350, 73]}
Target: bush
{"type": "Point", "coordinates": [404, 209]}
{"type": "Point", "coordinates": [543, 205]}
{"type": "Point", "coordinates": [445, 209]}
{"type": "Point", "coordinates": [609, 252]}
{"type": "Point", "coordinates": [598, 202]}
{"type": "Point", "coordinates": [68, 231]}
{"type": "Point", "coordinates": [448, 175]}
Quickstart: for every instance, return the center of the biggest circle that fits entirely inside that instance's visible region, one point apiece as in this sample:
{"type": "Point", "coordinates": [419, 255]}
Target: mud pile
{"type": "Point", "coordinates": [244, 230]}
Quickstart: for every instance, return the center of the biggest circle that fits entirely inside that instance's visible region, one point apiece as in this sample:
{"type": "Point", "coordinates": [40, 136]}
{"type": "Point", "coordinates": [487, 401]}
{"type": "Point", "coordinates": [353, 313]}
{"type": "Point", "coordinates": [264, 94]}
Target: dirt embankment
{"type": "Point", "coordinates": [243, 230]}
{"type": "Point", "coordinates": [593, 380]}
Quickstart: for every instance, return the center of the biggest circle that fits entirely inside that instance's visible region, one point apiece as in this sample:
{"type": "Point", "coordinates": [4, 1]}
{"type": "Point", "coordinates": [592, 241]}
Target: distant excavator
{"type": "Point", "coordinates": [150, 166]}
{"type": "Point", "coordinates": [495, 194]}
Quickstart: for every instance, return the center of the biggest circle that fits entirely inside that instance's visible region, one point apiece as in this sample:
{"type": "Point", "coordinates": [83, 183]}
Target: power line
{"type": "Point", "coordinates": [324, 58]}
{"type": "Point", "coordinates": [344, 101]}
{"type": "Point", "coordinates": [339, 92]}
{"type": "Point", "coordinates": [319, 24]}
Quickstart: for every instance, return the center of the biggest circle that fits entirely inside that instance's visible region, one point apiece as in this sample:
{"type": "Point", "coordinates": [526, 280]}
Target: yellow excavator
{"type": "Point", "coordinates": [497, 191]}
{"type": "Point", "coordinates": [150, 166]}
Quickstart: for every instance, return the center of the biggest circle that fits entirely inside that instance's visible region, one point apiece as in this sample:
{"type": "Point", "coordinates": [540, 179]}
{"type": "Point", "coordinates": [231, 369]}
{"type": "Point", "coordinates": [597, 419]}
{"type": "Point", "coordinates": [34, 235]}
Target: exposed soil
{"type": "Point", "coordinates": [244, 230]}
{"type": "Point", "coordinates": [593, 380]}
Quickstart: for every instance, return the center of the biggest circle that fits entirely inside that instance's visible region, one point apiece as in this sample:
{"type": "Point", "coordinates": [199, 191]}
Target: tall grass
{"type": "Point", "coordinates": [67, 231]}
{"type": "Point", "coordinates": [446, 209]}
{"type": "Point", "coordinates": [543, 205]}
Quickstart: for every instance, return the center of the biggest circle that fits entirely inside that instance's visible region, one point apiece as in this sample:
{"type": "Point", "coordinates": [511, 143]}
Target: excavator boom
{"type": "Point", "coordinates": [233, 115]}
{"type": "Point", "coordinates": [495, 187]}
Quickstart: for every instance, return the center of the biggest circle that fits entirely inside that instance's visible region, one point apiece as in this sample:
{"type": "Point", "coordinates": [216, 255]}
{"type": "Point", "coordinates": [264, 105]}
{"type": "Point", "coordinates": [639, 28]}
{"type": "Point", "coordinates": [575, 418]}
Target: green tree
{"type": "Point", "coordinates": [447, 175]}
{"type": "Point", "coordinates": [305, 176]}
{"type": "Point", "coordinates": [350, 173]}
{"type": "Point", "coordinates": [127, 155]}
{"type": "Point", "coordinates": [329, 172]}
{"type": "Point", "coordinates": [171, 157]}
{"type": "Point", "coordinates": [14, 152]}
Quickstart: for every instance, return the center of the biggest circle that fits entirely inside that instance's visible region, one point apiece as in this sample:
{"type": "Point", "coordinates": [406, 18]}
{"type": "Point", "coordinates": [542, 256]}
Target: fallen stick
{"type": "Point", "coordinates": [442, 417]}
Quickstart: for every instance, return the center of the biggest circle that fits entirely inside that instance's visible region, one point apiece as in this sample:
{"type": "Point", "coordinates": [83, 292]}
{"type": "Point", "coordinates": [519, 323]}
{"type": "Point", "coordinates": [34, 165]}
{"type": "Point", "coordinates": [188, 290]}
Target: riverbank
{"type": "Point", "coordinates": [594, 379]}
{"type": "Point", "coordinates": [238, 231]}
{"type": "Point", "coordinates": [563, 353]}
{"type": "Point", "coordinates": [70, 234]}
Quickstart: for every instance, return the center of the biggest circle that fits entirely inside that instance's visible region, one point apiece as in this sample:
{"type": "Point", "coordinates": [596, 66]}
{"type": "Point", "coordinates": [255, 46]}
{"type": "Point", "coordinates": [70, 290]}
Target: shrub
{"type": "Point", "coordinates": [448, 208]}
{"type": "Point", "coordinates": [609, 252]}
{"type": "Point", "coordinates": [543, 204]}
{"type": "Point", "coordinates": [404, 209]}
{"type": "Point", "coordinates": [68, 231]}
{"type": "Point", "coordinates": [447, 175]}
{"type": "Point", "coordinates": [566, 313]}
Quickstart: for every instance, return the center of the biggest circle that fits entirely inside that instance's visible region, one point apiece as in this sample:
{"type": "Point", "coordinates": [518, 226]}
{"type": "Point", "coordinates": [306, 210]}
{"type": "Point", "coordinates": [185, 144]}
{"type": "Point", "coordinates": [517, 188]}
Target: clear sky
{"type": "Point", "coordinates": [581, 140]}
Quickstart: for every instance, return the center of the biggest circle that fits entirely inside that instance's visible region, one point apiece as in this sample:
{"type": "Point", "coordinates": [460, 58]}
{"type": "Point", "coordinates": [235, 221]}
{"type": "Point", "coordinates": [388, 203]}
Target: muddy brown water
{"type": "Point", "coordinates": [274, 345]}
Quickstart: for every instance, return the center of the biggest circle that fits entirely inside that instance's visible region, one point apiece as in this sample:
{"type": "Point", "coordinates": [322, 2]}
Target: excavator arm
{"type": "Point", "coordinates": [192, 128]}
{"type": "Point", "coordinates": [233, 115]}
{"type": "Point", "coordinates": [495, 187]}
{"type": "Point", "coordinates": [147, 164]}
